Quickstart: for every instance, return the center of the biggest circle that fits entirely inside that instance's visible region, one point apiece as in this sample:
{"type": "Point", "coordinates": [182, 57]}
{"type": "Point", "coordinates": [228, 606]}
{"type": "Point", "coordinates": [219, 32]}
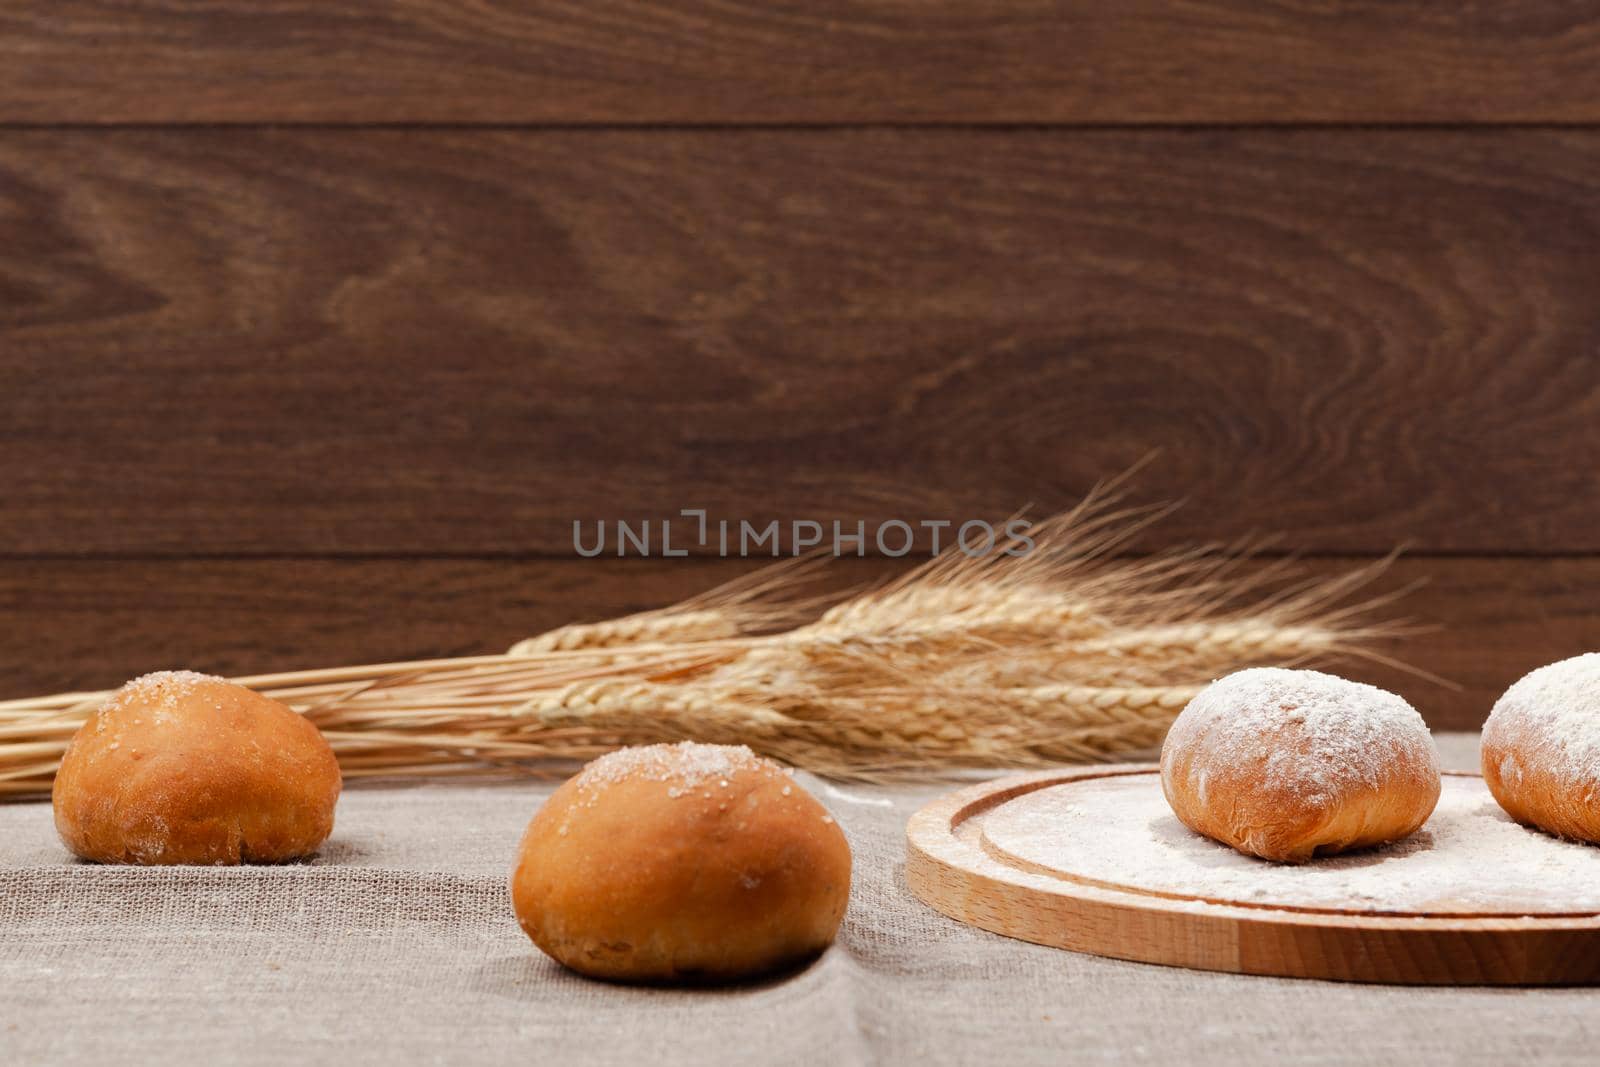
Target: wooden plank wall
{"type": "Point", "coordinates": [320, 323]}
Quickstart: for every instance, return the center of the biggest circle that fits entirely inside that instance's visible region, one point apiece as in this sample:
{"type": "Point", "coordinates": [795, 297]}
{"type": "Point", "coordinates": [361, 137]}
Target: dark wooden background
{"type": "Point", "coordinates": [321, 322]}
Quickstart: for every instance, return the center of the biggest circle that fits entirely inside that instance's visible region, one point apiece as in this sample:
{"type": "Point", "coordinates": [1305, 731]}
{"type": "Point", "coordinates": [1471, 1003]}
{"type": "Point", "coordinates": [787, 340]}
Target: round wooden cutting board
{"type": "Point", "coordinates": [1091, 859]}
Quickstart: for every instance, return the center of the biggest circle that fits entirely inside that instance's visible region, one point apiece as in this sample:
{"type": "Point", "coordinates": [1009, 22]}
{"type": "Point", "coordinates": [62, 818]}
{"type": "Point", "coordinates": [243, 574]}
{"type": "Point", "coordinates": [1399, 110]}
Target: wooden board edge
{"type": "Point", "coordinates": [944, 872]}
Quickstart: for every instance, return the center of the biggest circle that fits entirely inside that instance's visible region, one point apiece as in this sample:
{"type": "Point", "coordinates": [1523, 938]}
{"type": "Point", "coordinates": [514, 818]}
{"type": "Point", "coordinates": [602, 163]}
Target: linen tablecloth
{"type": "Point", "coordinates": [397, 945]}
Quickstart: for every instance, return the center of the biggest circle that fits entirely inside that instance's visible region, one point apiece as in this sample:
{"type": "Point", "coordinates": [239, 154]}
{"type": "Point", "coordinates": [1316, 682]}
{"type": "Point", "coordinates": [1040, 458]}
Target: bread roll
{"type": "Point", "coordinates": [682, 862]}
{"type": "Point", "coordinates": [1541, 749]}
{"type": "Point", "coordinates": [1287, 765]}
{"type": "Point", "coordinates": [179, 767]}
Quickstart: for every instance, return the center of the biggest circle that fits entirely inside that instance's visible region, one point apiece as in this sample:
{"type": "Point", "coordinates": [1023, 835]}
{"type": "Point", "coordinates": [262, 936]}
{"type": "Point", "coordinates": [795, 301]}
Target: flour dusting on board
{"type": "Point", "coordinates": [1469, 859]}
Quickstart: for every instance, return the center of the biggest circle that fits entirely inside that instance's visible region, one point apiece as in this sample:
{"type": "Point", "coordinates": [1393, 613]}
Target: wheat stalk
{"type": "Point", "coordinates": [770, 599]}
{"type": "Point", "coordinates": [653, 627]}
{"type": "Point", "coordinates": [1066, 652]}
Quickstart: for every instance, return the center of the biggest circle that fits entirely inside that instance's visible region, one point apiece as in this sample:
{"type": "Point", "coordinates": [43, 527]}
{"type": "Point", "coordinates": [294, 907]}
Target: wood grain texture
{"type": "Point", "coordinates": [949, 871]}
{"type": "Point", "coordinates": [92, 624]}
{"type": "Point", "coordinates": [280, 342]}
{"type": "Point", "coordinates": [798, 61]}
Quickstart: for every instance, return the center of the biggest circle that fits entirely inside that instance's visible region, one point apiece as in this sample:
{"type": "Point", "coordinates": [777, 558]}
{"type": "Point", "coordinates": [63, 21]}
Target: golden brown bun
{"type": "Point", "coordinates": [1287, 765]}
{"type": "Point", "coordinates": [1541, 749]}
{"type": "Point", "coordinates": [681, 863]}
{"type": "Point", "coordinates": [179, 767]}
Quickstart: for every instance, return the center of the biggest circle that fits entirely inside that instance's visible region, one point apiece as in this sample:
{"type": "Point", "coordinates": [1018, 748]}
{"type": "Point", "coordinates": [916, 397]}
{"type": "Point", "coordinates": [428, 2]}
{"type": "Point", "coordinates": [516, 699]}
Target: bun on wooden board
{"type": "Point", "coordinates": [682, 862]}
{"type": "Point", "coordinates": [1290, 764]}
{"type": "Point", "coordinates": [179, 767]}
{"type": "Point", "coordinates": [1541, 749]}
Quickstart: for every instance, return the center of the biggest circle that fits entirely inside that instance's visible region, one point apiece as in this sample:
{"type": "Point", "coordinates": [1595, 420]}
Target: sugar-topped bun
{"type": "Point", "coordinates": [179, 767]}
{"type": "Point", "coordinates": [682, 862]}
{"type": "Point", "coordinates": [1287, 764]}
{"type": "Point", "coordinates": [1541, 749]}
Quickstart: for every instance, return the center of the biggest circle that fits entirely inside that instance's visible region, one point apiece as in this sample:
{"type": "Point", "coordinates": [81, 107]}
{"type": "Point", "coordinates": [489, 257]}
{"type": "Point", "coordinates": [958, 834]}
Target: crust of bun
{"type": "Point", "coordinates": [1292, 764]}
{"type": "Point", "coordinates": [1541, 749]}
{"type": "Point", "coordinates": [1534, 795]}
{"type": "Point", "coordinates": [1240, 808]}
{"type": "Point", "coordinates": [667, 879]}
{"type": "Point", "coordinates": [182, 768]}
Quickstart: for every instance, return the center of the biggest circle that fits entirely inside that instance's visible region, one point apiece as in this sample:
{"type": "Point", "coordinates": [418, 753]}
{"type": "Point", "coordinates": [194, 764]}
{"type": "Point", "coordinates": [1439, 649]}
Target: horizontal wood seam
{"type": "Point", "coordinates": [557, 557]}
{"type": "Point", "coordinates": [819, 127]}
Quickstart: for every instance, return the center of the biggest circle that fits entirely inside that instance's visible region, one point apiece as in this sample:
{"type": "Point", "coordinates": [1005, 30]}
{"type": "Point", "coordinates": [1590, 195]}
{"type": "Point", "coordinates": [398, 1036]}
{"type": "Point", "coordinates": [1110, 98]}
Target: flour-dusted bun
{"type": "Point", "coordinates": [1541, 749]}
{"type": "Point", "coordinates": [179, 767]}
{"type": "Point", "coordinates": [1287, 765]}
{"type": "Point", "coordinates": [682, 862]}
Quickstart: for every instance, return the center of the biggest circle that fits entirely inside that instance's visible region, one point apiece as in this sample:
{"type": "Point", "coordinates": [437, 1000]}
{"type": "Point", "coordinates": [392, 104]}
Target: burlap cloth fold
{"type": "Point", "coordinates": [398, 946]}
